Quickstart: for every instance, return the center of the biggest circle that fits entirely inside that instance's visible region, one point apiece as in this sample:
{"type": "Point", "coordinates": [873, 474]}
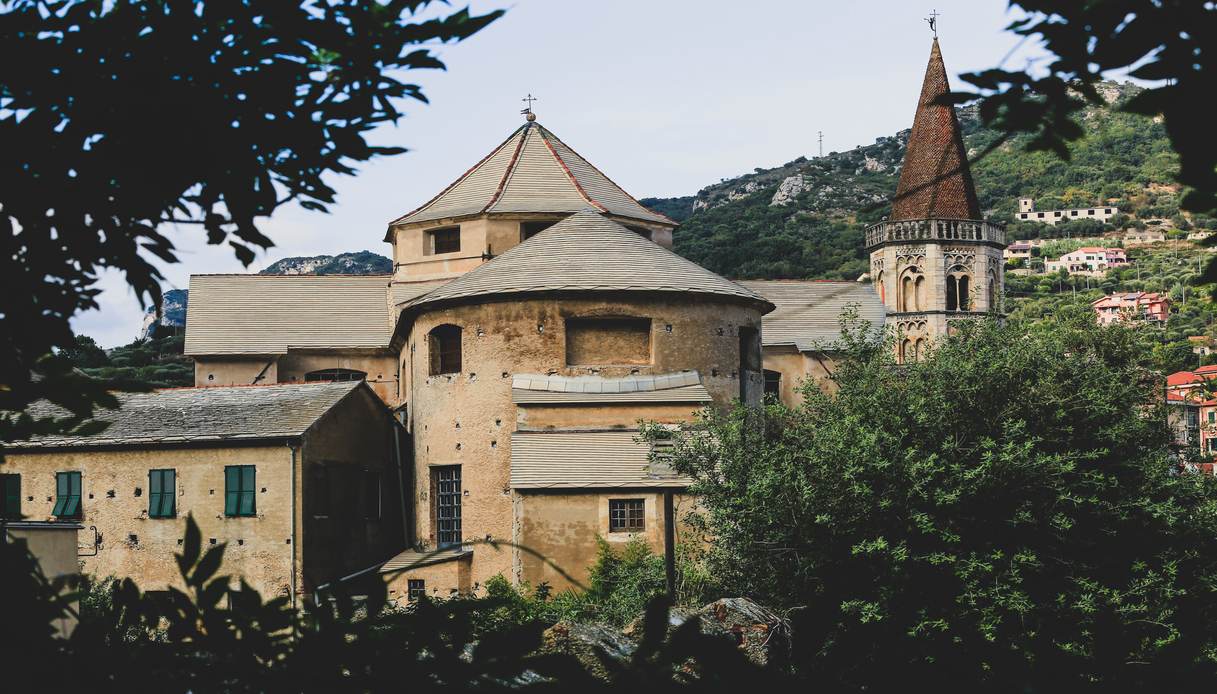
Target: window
{"type": "Point", "coordinates": [1107, 211]}
{"type": "Point", "coordinates": [447, 240]}
{"type": "Point", "coordinates": [627, 515]}
{"type": "Point", "coordinates": [1023, 215]}
{"type": "Point", "coordinates": [958, 292]}
{"type": "Point", "coordinates": [67, 495]}
{"type": "Point", "coordinates": [1212, 416]}
{"type": "Point", "coordinates": [416, 589]}
{"type": "Point", "coordinates": [10, 496]}
{"type": "Point", "coordinates": [1040, 215]}
{"type": "Point", "coordinates": [1073, 213]}
{"type": "Point", "coordinates": [444, 349]}
{"type": "Point", "coordinates": [608, 340]}
{"type": "Point", "coordinates": [371, 494]}
{"type": "Point", "coordinates": [1056, 214]}
{"type": "Point", "coordinates": [773, 383]}
{"type": "Point", "coordinates": [531, 229]}
{"type": "Point", "coordinates": [162, 493]}
{"type": "Point", "coordinates": [1210, 445]}
{"type": "Point", "coordinates": [644, 233]}
{"type": "Point", "coordinates": [446, 482]}
{"type": "Point", "coordinates": [1090, 212]}
{"type": "Point", "coordinates": [336, 375]}
{"type": "Point", "coordinates": [239, 486]}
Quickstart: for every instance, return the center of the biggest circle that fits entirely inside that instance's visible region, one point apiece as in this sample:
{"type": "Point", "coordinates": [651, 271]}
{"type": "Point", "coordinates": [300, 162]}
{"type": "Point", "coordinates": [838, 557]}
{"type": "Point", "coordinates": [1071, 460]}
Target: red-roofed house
{"type": "Point", "coordinates": [1091, 260]}
{"type": "Point", "coordinates": [1150, 307]}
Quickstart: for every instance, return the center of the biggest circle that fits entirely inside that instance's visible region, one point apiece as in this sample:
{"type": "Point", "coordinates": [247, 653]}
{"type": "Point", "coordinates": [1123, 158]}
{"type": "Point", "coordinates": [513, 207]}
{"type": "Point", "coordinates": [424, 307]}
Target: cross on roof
{"type": "Point", "coordinates": [528, 100]}
{"type": "Point", "coordinates": [932, 20]}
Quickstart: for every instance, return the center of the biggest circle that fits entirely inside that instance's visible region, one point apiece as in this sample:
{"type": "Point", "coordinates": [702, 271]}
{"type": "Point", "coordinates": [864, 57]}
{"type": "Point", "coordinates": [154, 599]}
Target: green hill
{"type": "Point", "coordinates": [805, 219]}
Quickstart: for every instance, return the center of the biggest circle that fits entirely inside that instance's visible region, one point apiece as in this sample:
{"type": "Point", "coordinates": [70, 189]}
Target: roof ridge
{"type": "Point", "coordinates": [566, 170]}
{"type": "Point", "coordinates": [509, 169]}
{"type": "Point", "coordinates": [603, 175]}
{"type": "Point", "coordinates": [462, 177]}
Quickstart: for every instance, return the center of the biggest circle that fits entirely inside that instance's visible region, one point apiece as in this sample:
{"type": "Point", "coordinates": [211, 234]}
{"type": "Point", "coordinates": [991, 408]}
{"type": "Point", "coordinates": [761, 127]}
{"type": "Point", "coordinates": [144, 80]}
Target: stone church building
{"type": "Point", "coordinates": [536, 315]}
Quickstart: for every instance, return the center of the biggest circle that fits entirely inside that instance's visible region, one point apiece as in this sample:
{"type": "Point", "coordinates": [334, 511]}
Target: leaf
{"type": "Point", "coordinates": [192, 545]}
{"type": "Point", "coordinates": [207, 566]}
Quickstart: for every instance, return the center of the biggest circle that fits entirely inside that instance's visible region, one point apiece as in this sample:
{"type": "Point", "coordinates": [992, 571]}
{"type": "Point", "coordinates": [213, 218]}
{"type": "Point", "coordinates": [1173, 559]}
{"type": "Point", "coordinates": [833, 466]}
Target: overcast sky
{"type": "Point", "coordinates": [664, 96]}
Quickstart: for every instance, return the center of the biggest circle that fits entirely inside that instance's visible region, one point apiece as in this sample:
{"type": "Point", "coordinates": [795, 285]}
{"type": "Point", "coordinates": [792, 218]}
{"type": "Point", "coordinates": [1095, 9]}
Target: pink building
{"type": "Point", "coordinates": [1091, 260]}
{"type": "Point", "coordinates": [1149, 307]}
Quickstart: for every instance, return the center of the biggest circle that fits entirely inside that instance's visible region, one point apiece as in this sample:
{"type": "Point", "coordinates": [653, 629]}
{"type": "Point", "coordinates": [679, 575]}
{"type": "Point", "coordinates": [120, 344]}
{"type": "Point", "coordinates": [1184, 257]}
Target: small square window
{"type": "Point", "coordinates": [627, 515]}
{"type": "Point", "coordinates": [240, 483]}
{"type": "Point", "coordinates": [162, 493]}
{"type": "Point", "coordinates": [447, 240]}
{"type": "Point", "coordinates": [67, 495]}
{"type": "Point", "coordinates": [416, 589]}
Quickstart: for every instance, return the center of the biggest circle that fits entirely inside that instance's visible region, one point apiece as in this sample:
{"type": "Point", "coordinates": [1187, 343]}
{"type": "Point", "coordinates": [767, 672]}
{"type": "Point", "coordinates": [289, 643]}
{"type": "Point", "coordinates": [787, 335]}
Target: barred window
{"type": "Point", "coordinates": [627, 515]}
{"type": "Point", "coordinates": [416, 589]}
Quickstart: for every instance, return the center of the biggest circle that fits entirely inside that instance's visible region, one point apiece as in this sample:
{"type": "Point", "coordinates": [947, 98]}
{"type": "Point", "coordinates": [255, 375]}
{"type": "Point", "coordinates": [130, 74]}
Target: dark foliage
{"type": "Point", "coordinates": [212, 638]}
{"type": "Point", "coordinates": [997, 519]}
{"type": "Point", "coordinates": [119, 117]}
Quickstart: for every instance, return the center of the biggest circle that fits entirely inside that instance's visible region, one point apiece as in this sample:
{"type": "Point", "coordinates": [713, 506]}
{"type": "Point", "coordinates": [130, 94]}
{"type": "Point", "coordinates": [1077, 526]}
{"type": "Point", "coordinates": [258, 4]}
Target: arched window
{"type": "Point", "coordinates": [991, 294]}
{"type": "Point", "coordinates": [906, 352]}
{"type": "Point", "coordinates": [879, 286]}
{"type": "Point", "coordinates": [959, 297]}
{"type": "Point", "coordinates": [444, 349]}
{"type": "Point", "coordinates": [336, 375]}
{"type": "Point", "coordinates": [919, 348]}
{"type": "Point", "coordinates": [912, 290]}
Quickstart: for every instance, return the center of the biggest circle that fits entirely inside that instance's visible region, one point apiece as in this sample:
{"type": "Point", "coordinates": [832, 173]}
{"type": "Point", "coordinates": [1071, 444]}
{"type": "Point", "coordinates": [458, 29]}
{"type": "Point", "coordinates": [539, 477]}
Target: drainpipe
{"type": "Point", "coordinates": [295, 543]}
{"type": "Point", "coordinates": [669, 543]}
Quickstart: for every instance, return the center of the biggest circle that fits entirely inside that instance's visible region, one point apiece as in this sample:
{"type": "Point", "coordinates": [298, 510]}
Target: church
{"type": "Point", "coordinates": [481, 405]}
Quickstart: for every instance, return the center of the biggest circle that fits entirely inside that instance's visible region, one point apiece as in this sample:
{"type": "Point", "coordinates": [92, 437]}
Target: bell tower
{"type": "Point", "coordinates": [935, 259]}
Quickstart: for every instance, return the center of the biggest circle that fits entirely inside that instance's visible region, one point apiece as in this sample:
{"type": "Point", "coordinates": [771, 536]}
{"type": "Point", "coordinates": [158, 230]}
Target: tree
{"type": "Point", "coordinates": [126, 117]}
{"type": "Point", "coordinates": [1166, 41]}
{"type": "Point", "coordinates": [1001, 519]}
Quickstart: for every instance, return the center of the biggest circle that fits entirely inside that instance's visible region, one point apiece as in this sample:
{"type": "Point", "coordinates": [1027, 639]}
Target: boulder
{"type": "Point", "coordinates": [588, 643]}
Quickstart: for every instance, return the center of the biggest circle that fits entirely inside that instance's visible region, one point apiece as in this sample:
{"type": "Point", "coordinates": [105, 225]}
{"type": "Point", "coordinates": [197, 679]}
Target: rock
{"type": "Point", "coordinates": [588, 643]}
{"type": "Point", "coordinates": [788, 190]}
{"type": "Point", "coordinates": [173, 314]}
{"type": "Point", "coordinates": [757, 631]}
{"type": "Point", "coordinates": [874, 165]}
{"type": "Point", "coordinates": [744, 191]}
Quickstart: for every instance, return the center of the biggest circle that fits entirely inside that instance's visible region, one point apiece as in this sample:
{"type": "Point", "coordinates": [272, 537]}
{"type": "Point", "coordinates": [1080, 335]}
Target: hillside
{"type": "Point", "coordinates": [805, 219]}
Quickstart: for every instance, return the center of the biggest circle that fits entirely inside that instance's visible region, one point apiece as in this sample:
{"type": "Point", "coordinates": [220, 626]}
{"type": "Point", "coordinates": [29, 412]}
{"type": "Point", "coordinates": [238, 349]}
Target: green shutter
{"type": "Point", "coordinates": [154, 493]}
{"type": "Point", "coordinates": [232, 483]}
{"type": "Point", "coordinates": [168, 493]}
{"type": "Point", "coordinates": [247, 490]}
{"type": "Point", "coordinates": [12, 496]}
{"type": "Point", "coordinates": [67, 495]}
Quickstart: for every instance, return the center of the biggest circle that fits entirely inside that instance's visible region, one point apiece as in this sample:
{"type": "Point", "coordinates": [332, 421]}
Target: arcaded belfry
{"type": "Point", "coordinates": [935, 259]}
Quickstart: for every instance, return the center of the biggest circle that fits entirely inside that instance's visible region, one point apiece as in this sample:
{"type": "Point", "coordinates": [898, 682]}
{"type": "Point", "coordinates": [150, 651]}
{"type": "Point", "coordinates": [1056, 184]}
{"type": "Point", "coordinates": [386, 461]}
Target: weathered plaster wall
{"type": "Point", "coordinates": [55, 549]}
{"type": "Point", "coordinates": [381, 368]}
{"type": "Point", "coordinates": [343, 530]}
{"type": "Point", "coordinates": [490, 234]}
{"type": "Point", "coordinates": [136, 546]}
{"type": "Point", "coordinates": [234, 371]}
{"type": "Point", "coordinates": [466, 419]}
{"type": "Point", "coordinates": [558, 531]}
{"type": "Point", "coordinates": [440, 580]}
{"type": "Point", "coordinates": [796, 368]}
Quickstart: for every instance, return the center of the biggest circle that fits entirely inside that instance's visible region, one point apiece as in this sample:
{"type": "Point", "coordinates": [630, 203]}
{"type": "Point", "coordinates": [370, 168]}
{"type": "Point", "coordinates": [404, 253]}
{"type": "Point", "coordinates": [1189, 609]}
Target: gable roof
{"type": "Point", "coordinates": [532, 171]}
{"type": "Point", "coordinates": [183, 415]}
{"type": "Point", "coordinates": [587, 252]}
{"type": "Point", "coordinates": [808, 313]}
{"type": "Point", "coordinates": [935, 182]}
{"type": "Point", "coordinates": [268, 314]}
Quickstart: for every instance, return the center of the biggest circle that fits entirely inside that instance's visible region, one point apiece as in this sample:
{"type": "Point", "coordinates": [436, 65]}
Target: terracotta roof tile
{"type": "Point", "coordinates": [935, 181]}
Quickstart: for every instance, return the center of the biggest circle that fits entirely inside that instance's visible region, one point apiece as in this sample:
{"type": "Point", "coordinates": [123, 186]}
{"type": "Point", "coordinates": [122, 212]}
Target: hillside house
{"type": "Point", "coordinates": [1028, 213]}
{"type": "Point", "coordinates": [1143, 237]}
{"type": "Point", "coordinates": [1146, 307]}
{"type": "Point", "coordinates": [1018, 250]}
{"type": "Point", "coordinates": [1092, 261]}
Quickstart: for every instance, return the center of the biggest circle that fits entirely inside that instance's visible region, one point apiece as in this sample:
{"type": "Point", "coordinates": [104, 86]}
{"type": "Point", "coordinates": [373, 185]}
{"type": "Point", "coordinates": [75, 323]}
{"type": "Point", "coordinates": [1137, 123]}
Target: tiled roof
{"type": "Point", "coordinates": [586, 252]}
{"type": "Point", "coordinates": [184, 415]}
{"type": "Point", "coordinates": [267, 314]}
{"type": "Point", "coordinates": [532, 171]}
{"type": "Point", "coordinates": [414, 559]}
{"type": "Point", "coordinates": [935, 181]}
{"type": "Point", "coordinates": [539, 389]}
{"type": "Point", "coordinates": [401, 292]}
{"type": "Point", "coordinates": [586, 459]}
{"type": "Point", "coordinates": [808, 313]}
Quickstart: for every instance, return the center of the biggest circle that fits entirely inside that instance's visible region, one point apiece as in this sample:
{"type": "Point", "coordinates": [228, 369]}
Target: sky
{"type": "Point", "coordinates": [664, 96]}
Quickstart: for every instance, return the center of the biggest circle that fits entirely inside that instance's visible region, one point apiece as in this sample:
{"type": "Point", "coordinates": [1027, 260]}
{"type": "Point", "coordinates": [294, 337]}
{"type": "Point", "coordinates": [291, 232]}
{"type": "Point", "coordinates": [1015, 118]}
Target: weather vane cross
{"type": "Point", "coordinates": [528, 100]}
{"type": "Point", "coordinates": [932, 20]}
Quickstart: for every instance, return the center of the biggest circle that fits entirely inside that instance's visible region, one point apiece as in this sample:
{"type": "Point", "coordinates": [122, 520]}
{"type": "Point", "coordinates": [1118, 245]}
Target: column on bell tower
{"type": "Point", "coordinates": [935, 259]}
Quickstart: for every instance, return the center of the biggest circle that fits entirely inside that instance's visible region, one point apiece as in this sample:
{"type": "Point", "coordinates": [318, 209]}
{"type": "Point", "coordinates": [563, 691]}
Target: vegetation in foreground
{"type": "Point", "coordinates": [1004, 516]}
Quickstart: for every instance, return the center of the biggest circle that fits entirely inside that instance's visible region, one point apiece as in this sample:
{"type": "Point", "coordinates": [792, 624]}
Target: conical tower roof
{"type": "Point", "coordinates": [935, 181]}
{"type": "Point", "coordinates": [586, 252]}
{"type": "Point", "coordinates": [532, 171]}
